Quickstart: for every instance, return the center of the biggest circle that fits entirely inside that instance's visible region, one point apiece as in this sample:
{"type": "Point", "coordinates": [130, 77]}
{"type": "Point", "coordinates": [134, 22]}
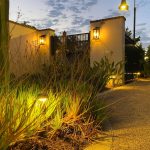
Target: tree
{"type": "Point", "coordinates": [147, 63]}
{"type": "Point", "coordinates": [134, 54]}
{"type": "Point", "coordinates": [4, 42]}
{"type": "Point", "coordinates": [148, 52]}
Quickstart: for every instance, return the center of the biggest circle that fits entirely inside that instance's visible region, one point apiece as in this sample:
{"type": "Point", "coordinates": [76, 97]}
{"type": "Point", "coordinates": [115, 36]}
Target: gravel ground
{"type": "Point", "coordinates": [130, 115]}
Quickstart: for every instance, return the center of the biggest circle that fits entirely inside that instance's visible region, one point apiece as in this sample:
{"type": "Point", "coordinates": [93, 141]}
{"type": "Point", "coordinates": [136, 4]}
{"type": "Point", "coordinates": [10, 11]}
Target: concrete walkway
{"type": "Point", "coordinates": [129, 110]}
{"type": "Point", "coordinates": [130, 116]}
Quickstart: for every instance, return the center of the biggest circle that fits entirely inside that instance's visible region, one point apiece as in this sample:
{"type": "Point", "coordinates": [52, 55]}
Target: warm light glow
{"type": "Point", "coordinates": [42, 98]}
{"type": "Point", "coordinates": [124, 6]}
{"type": "Point", "coordinates": [96, 33]}
{"type": "Point", "coordinates": [146, 57]}
{"type": "Point", "coordinates": [113, 77]}
{"type": "Point", "coordinates": [138, 73]}
{"type": "Point", "coordinates": [42, 39]}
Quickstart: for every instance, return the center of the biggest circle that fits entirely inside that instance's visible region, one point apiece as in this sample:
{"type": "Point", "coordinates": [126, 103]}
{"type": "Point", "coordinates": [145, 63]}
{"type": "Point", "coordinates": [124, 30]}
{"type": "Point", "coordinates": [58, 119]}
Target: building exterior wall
{"type": "Point", "coordinates": [26, 53]}
{"type": "Point", "coordinates": [111, 42]}
{"type": "Point", "coordinates": [16, 30]}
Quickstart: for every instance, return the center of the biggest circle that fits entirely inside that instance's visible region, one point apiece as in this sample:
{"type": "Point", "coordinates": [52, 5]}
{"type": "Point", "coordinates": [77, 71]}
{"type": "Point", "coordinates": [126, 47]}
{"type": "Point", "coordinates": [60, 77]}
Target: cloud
{"type": "Point", "coordinates": [113, 13]}
{"type": "Point", "coordinates": [54, 13]}
{"type": "Point", "coordinates": [77, 20]}
{"type": "Point", "coordinates": [72, 12]}
{"type": "Point", "coordinates": [73, 31]}
{"type": "Point", "coordinates": [86, 22]}
{"type": "Point", "coordinates": [142, 3]}
{"type": "Point", "coordinates": [145, 37]}
{"type": "Point", "coordinates": [91, 3]}
{"type": "Point", "coordinates": [141, 24]}
{"type": "Point", "coordinates": [59, 7]}
{"type": "Point", "coordinates": [75, 9]}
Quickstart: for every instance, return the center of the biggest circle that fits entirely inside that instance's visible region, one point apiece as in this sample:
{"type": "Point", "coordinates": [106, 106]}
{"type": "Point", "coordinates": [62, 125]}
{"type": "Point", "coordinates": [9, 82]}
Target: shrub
{"type": "Point", "coordinates": [147, 69]}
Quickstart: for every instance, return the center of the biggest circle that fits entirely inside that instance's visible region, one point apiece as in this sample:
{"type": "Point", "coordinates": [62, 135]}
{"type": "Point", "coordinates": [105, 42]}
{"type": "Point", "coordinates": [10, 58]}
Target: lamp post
{"type": "Point", "coordinates": [134, 24]}
{"type": "Point", "coordinates": [124, 7]}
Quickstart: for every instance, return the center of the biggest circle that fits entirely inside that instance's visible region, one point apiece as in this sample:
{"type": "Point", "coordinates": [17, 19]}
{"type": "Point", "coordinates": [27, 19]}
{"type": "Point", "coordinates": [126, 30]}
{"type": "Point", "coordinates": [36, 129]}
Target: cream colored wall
{"type": "Point", "coordinates": [17, 30]}
{"type": "Point", "coordinates": [112, 40]}
{"type": "Point", "coordinates": [26, 53]}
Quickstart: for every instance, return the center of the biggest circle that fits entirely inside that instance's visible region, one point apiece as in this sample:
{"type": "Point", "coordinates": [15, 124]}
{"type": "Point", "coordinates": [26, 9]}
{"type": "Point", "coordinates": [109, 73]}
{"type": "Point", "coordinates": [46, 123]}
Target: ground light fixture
{"type": "Point", "coordinates": [124, 6]}
{"type": "Point", "coordinates": [113, 77]}
{"type": "Point", "coordinates": [42, 97]}
{"type": "Point", "coordinates": [42, 39]}
{"type": "Point", "coordinates": [96, 33]}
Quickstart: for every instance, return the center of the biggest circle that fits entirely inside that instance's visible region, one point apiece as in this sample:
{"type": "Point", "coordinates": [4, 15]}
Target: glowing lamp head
{"type": "Point", "coordinates": [42, 97]}
{"type": "Point", "coordinates": [146, 58]}
{"type": "Point", "coordinates": [42, 39]}
{"type": "Point", "coordinates": [124, 6]}
{"type": "Point", "coordinates": [96, 33]}
{"type": "Point", "coordinates": [113, 77]}
{"type": "Point", "coordinates": [138, 73]}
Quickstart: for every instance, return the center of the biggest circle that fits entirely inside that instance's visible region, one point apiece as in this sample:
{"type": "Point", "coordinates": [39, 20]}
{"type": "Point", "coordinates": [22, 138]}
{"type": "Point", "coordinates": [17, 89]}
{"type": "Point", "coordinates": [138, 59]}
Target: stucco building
{"type": "Point", "coordinates": [29, 48]}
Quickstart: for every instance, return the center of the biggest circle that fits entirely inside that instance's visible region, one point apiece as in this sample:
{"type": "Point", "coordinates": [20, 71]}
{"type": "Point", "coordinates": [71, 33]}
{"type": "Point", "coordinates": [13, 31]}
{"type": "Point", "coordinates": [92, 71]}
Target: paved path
{"type": "Point", "coordinates": [130, 116]}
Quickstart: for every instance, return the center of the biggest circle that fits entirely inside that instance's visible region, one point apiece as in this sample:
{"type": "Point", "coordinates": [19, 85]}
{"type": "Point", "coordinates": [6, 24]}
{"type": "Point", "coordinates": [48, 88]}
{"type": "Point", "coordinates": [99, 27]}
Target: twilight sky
{"type": "Point", "coordinates": [74, 15]}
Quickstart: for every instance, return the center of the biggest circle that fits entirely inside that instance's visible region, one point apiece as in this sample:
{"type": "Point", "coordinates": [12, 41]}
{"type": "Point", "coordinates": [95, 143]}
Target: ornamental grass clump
{"type": "Point", "coordinates": [22, 114]}
{"type": "Point", "coordinates": [69, 106]}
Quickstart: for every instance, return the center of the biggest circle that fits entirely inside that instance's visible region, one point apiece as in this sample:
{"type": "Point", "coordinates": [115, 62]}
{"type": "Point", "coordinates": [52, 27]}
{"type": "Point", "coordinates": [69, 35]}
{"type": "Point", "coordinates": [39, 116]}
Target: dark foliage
{"type": "Point", "coordinates": [134, 54]}
{"type": "Point", "coordinates": [134, 58]}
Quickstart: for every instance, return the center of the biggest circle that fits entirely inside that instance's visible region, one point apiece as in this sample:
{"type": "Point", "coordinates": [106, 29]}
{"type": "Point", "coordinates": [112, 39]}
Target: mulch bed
{"type": "Point", "coordinates": [60, 141]}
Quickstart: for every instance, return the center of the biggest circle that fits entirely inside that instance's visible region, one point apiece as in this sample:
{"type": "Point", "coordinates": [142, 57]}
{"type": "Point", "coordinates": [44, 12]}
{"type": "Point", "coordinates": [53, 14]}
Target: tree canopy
{"type": "Point", "coordinates": [134, 53]}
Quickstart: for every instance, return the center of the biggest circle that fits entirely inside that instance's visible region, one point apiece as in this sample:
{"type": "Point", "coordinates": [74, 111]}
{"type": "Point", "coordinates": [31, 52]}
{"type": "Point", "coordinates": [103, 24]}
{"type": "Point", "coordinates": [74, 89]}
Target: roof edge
{"type": "Point", "coordinates": [117, 17]}
{"type": "Point", "coordinates": [46, 29]}
{"type": "Point", "coordinates": [31, 27]}
{"type": "Point", "coordinates": [21, 24]}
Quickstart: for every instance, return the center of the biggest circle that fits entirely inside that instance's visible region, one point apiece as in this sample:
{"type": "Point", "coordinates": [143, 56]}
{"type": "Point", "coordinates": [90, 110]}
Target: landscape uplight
{"type": "Point", "coordinates": [124, 6]}
{"type": "Point", "coordinates": [96, 33]}
{"type": "Point", "coordinates": [42, 97]}
{"type": "Point", "coordinates": [113, 77]}
{"type": "Point", "coordinates": [42, 39]}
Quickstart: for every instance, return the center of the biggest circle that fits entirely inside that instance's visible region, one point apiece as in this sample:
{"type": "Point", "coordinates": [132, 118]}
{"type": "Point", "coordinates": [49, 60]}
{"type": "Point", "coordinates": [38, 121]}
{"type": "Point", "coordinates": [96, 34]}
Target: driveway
{"type": "Point", "coordinates": [129, 113]}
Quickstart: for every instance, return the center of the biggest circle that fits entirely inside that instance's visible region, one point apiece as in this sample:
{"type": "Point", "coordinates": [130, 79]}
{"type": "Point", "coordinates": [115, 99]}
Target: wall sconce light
{"type": "Point", "coordinates": [96, 33]}
{"type": "Point", "coordinates": [42, 39]}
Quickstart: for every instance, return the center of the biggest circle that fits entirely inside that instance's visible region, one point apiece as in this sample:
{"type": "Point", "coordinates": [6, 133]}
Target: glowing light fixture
{"type": "Point", "coordinates": [42, 39]}
{"type": "Point", "coordinates": [113, 77]}
{"type": "Point", "coordinates": [124, 6]}
{"type": "Point", "coordinates": [137, 73]}
{"type": "Point", "coordinates": [96, 33]}
{"type": "Point", "coordinates": [146, 58]}
{"type": "Point", "coordinates": [42, 97]}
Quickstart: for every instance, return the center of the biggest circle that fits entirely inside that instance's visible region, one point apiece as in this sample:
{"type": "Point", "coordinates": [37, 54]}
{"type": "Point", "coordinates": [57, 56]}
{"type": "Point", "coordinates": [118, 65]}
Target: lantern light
{"type": "Point", "coordinates": [42, 39]}
{"type": "Point", "coordinates": [124, 6]}
{"type": "Point", "coordinates": [96, 33]}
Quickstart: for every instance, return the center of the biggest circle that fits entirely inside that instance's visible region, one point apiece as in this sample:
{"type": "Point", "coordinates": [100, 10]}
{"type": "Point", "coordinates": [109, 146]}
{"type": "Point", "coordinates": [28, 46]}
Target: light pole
{"type": "Point", "coordinates": [124, 7]}
{"type": "Point", "coordinates": [134, 24]}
